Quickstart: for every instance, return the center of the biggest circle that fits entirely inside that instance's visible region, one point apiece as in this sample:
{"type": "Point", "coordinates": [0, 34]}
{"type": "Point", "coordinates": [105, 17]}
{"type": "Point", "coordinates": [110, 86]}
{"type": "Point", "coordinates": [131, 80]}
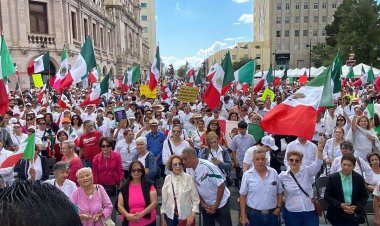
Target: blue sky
{"type": "Point", "coordinates": [193, 29]}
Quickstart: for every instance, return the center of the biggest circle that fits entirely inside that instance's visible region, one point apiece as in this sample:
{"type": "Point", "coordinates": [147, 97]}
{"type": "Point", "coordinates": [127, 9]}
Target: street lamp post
{"type": "Point", "coordinates": [309, 45]}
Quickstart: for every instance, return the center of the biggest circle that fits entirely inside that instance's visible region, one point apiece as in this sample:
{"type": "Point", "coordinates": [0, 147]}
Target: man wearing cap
{"type": "Point", "coordinates": [66, 124]}
{"type": "Point", "coordinates": [307, 148]}
{"type": "Point", "coordinates": [240, 144]}
{"type": "Point", "coordinates": [89, 143]}
{"type": "Point", "coordinates": [260, 192]}
{"type": "Point", "coordinates": [266, 143]}
{"type": "Point", "coordinates": [155, 141]}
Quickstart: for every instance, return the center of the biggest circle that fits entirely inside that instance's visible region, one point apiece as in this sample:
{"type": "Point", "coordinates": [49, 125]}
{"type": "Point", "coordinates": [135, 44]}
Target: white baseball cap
{"type": "Point", "coordinates": [269, 141]}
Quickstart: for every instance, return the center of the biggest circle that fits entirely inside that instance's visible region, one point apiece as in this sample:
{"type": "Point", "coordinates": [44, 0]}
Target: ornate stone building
{"type": "Point", "coordinates": [32, 27]}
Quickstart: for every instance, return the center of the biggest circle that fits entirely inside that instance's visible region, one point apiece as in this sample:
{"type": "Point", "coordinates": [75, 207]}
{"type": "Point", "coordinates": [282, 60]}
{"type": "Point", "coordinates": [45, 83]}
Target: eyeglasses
{"type": "Point", "coordinates": [214, 124]}
{"type": "Point", "coordinates": [294, 160]}
{"type": "Point", "coordinates": [16, 127]}
{"type": "Point", "coordinates": [178, 164]}
{"type": "Point", "coordinates": [75, 118]}
{"type": "Point", "coordinates": [340, 120]}
{"type": "Point", "coordinates": [42, 123]}
{"type": "Point", "coordinates": [136, 171]}
{"type": "Point", "coordinates": [176, 131]}
{"type": "Point", "coordinates": [105, 146]}
{"type": "Point", "coordinates": [65, 122]}
{"type": "Point", "coordinates": [30, 131]}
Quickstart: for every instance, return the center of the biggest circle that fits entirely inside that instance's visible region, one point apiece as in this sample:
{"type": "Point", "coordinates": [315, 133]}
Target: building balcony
{"type": "Point", "coordinates": [41, 40]}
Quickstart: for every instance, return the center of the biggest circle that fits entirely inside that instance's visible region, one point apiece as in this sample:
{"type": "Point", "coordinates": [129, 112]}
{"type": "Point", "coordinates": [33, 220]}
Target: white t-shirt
{"type": "Point", "coordinates": [249, 155]}
{"type": "Point", "coordinates": [68, 186]}
{"type": "Point", "coordinates": [142, 159]}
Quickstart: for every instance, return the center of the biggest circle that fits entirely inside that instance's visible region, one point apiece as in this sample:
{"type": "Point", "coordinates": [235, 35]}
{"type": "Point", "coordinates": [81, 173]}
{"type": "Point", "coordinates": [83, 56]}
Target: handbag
{"type": "Point", "coordinates": [317, 206]}
{"type": "Point", "coordinates": [108, 221]}
{"type": "Point", "coordinates": [180, 222]}
{"type": "Point", "coordinates": [184, 222]}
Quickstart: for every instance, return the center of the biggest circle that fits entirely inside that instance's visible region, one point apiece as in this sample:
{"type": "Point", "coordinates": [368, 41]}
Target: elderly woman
{"type": "Point", "coordinates": [346, 195]}
{"type": "Point", "coordinates": [174, 144]}
{"type": "Point", "coordinates": [363, 137]}
{"type": "Point", "coordinates": [180, 199]}
{"type": "Point", "coordinates": [107, 167]}
{"type": "Point", "coordinates": [69, 156]}
{"type": "Point", "coordinates": [61, 171]}
{"type": "Point", "coordinates": [137, 199]}
{"type": "Point", "coordinates": [217, 154]}
{"type": "Point", "coordinates": [127, 149]}
{"type": "Point", "coordinates": [92, 201]}
{"type": "Point", "coordinates": [374, 162]}
{"type": "Point", "coordinates": [146, 158]}
{"type": "Point", "coordinates": [298, 190]}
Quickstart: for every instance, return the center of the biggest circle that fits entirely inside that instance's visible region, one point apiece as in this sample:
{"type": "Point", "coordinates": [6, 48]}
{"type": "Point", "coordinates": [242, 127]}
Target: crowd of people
{"type": "Point", "coordinates": [106, 164]}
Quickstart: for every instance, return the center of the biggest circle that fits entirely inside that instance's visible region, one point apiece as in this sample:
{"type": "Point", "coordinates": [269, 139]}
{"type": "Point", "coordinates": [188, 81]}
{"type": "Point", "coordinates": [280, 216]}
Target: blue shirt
{"type": "Point", "coordinates": [155, 143]}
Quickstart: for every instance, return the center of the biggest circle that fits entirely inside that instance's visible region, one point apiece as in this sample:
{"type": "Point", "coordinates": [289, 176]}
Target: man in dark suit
{"type": "Point", "coordinates": [346, 194]}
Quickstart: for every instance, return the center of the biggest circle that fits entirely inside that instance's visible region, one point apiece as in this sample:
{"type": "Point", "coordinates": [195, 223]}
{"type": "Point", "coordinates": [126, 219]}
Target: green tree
{"type": "Point", "coordinates": [240, 63]}
{"type": "Point", "coordinates": [181, 71]}
{"type": "Point", "coordinates": [355, 29]}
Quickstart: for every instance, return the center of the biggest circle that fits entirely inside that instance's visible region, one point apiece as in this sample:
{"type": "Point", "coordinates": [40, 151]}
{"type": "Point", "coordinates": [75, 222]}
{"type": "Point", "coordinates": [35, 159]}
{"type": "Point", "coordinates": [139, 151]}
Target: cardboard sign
{"type": "Point", "coordinates": [119, 113]}
{"type": "Point", "coordinates": [145, 90]}
{"type": "Point", "coordinates": [188, 94]}
{"type": "Point", "coordinates": [37, 80]}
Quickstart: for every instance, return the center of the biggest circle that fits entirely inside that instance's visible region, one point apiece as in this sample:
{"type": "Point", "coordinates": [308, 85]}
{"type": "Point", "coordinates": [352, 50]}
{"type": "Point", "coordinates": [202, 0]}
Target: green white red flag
{"type": "Point", "coordinates": [96, 92]}
{"type": "Point", "coordinates": [155, 70]}
{"type": "Point", "coordinates": [25, 151]}
{"type": "Point", "coordinates": [39, 64]}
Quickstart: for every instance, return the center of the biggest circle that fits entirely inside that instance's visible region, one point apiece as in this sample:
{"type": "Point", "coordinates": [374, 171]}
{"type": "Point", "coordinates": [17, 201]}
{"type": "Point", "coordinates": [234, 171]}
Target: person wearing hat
{"type": "Point", "coordinates": [66, 124]}
{"type": "Point", "coordinates": [261, 205]}
{"type": "Point", "coordinates": [265, 145]}
{"type": "Point", "coordinates": [90, 113]}
{"type": "Point", "coordinates": [240, 144]}
{"type": "Point", "coordinates": [18, 136]}
{"type": "Point", "coordinates": [155, 141]}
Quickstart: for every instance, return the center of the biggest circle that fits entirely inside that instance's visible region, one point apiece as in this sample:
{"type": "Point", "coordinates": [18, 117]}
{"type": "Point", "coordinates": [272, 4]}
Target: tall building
{"type": "Point", "coordinates": [148, 22]}
{"type": "Point", "coordinates": [292, 28]}
{"type": "Point", "coordinates": [32, 27]}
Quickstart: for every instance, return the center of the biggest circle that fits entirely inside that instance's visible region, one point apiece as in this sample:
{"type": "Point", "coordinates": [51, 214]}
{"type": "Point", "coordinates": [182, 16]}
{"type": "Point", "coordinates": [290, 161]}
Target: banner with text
{"type": "Point", "coordinates": [188, 94]}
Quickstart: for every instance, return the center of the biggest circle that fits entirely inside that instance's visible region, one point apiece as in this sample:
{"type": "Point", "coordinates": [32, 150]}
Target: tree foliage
{"type": "Point", "coordinates": [181, 71]}
{"type": "Point", "coordinates": [355, 29]}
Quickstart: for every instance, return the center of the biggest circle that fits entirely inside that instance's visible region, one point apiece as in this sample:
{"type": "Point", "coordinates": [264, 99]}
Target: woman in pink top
{"type": "Point", "coordinates": [69, 155]}
{"type": "Point", "coordinates": [137, 199]}
{"type": "Point", "coordinates": [94, 205]}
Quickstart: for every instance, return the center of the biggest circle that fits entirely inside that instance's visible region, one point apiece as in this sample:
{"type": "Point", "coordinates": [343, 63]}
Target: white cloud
{"type": "Point", "coordinates": [236, 23]}
{"type": "Point", "coordinates": [241, 1]}
{"type": "Point", "coordinates": [234, 38]}
{"type": "Point", "coordinates": [177, 6]}
{"type": "Point", "coordinates": [156, 17]}
{"type": "Point", "coordinates": [246, 18]}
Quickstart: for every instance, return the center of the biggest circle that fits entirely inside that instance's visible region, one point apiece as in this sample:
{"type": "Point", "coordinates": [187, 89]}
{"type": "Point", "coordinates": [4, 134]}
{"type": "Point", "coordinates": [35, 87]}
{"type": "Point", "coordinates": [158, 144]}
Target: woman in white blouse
{"type": "Point", "coordinates": [332, 146]}
{"type": "Point", "coordinates": [180, 199]}
{"type": "Point", "coordinates": [126, 149]}
{"type": "Point", "coordinates": [299, 210]}
{"type": "Point", "coordinates": [197, 136]}
{"type": "Point", "coordinates": [174, 144]}
{"type": "Point", "coordinates": [61, 172]}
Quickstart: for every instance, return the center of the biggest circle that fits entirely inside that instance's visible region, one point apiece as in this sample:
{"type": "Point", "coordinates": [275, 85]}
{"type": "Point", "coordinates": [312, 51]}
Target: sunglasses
{"type": "Point", "coordinates": [136, 171]}
{"type": "Point", "coordinates": [65, 122]}
{"type": "Point", "coordinates": [75, 118]}
{"type": "Point", "coordinates": [176, 131]}
{"type": "Point", "coordinates": [42, 123]}
{"type": "Point", "coordinates": [214, 124]}
{"type": "Point", "coordinates": [294, 160]}
{"type": "Point", "coordinates": [340, 120]}
{"type": "Point", "coordinates": [178, 164]}
{"type": "Point", "coordinates": [30, 131]}
{"type": "Point", "coordinates": [105, 146]}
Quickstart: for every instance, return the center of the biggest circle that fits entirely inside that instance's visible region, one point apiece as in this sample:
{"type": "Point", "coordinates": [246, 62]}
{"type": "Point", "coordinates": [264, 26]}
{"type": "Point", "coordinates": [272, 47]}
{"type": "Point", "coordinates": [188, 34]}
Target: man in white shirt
{"type": "Point", "coordinates": [90, 113]}
{"type": "Point", "coordinates": [307, 148]}
{"type": "Point", "coordinates": [211, 188]}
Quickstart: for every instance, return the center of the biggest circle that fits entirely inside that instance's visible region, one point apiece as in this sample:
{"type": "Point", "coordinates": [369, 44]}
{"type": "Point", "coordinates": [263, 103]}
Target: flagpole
{"type": "Point", "coordinates": [19, 87]}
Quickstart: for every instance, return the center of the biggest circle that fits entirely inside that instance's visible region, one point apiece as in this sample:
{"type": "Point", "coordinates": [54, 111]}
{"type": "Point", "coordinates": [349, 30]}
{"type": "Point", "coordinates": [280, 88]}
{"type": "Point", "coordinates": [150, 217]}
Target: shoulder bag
{"type": "Point", "coordinates": [108, 221]}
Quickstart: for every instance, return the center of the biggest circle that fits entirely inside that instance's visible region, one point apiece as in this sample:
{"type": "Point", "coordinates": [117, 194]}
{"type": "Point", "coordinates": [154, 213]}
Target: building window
{"type": "Point", "coordinates": [278, 34]}
{"type": "Point", "coordinates": [233, 57]}
{"type": "Point", "coordinates": [278, 6]}
{"type": "Point", "coordinates": [324, 19]}
{"type": "Point", "coordinates": [315, 5]}
{"type": "Point", "coordinates": [324, 5]}
{"type": "Point", "coordinates": [287, 6]}
{"type": "Point", "coordinates": [315, 32]}
{"type": "Point", "coordinates": [85, 28]}
{"type": "Point", "coordinates": [287, 33]}
{"type": "Point", "coordinates": [101, 44]}
{"type": "Point", "coordinates": [333, 5]}
{"type": "Point", "coordinates": [316, 19]}
{"type": "Point", "coordinates": [323, 32]}
{"type": "Point", "coordinates": [94, 34]}
{"type": "Point", "coordinates": [144, 17]}
{"type": "Point", "coordinates": [306, 19]}
{"type": "Point", "coordinates": [278, 46]}
{"type": "Point", "coordinates": [287, 20]}
{"type": "Point", "coordinates": [38, 17]}
{"type": "Point", "coordinates": [278, 20]}
{"type": "Point", "coordinates": [297, 6]}
{"type": "Point", "coordinates": [143, 5]}
{"type": "Point", "coordinates": [286, 46]}
{"type": "Point", "coordinates": [296, 46]}
{"type": "Point", "coordinates": [305, 33]}
{"type": "Point", "coordinates": [305, 6]}
{"type": "Point", "coordinates": [145, 30]}
{"type": "Point", "coordinates": [296, 19]}
{"type": "Point", "coordinates": [297, 33]}
{"type": "Point", "coordinates": [258, 56]}
{"type": "Point", "coordinates": [74, 25]}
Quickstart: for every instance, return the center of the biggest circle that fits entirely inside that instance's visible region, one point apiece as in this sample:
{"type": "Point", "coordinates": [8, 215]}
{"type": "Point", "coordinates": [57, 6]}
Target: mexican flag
{"type": "Point", "coordinates": [132, 76]}
{"type": "Point", "coordinates": [155, 70]}
{"type": "Point", "coordinates": [97, 91]}
{"type": "Point", "coordinates": [25, 151]}
{"type": "Point", "coordinates": [228, 128]}
{"type": "Point", "coordinates": [41, 93]}
{"type": "Point", "coordinates": [84, 64]}
{"type": "Point", "coordinates": [189, 70]}
{"type": "Point", "coordinates": [73, 136]}
{"type": "Point", "coordinates": [39, 64]}
{"type": "Point", "coordinates": [93, 76]}
{"type": "Point", "coordinates": [371, 109]}
{"type": "Point", "coordinates": [351, 74]}
{"type": "Point", "coordinates": [245, 73]}
{"type": "Point", "coordinates": [368, 77]}
{"type": "Point", "coordinates": [297, 114]}
{"type": "Point", "coordinates": [198, 79]}
{"type": "Point", "coordinates": [63, 69]}
{"type": "Point", "coordinates": [64, 101]}
{"type": "Point", "coordinates": [336, 73]}
{"type": "Point", "coordinates": [265, 80]}
{"type": "Point", "coordinates": [6, 68]}
{"type": "Point", "coordinates": [166, 92]}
